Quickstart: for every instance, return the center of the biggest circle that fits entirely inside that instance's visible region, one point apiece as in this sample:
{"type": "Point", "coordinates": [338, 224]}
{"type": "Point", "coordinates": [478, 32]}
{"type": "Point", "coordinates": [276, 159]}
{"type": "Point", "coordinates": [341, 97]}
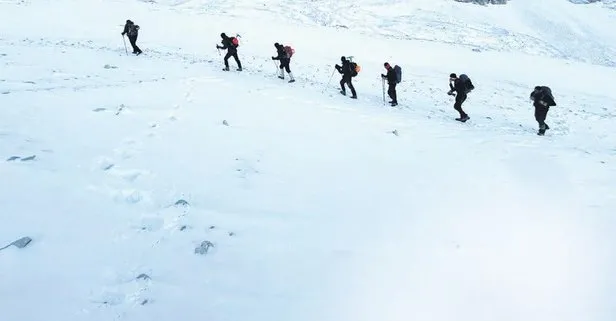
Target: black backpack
{"type": "Point", "coordinates": [398, 71]}
{"type": "Point", "coordinates": [133, 30]}
{"type": "Point", "coordinates": [543, 95]}
{"type": "Point", "coordinates": [468, 84]}
{"type": "Point", "coordinates": [354, 69]}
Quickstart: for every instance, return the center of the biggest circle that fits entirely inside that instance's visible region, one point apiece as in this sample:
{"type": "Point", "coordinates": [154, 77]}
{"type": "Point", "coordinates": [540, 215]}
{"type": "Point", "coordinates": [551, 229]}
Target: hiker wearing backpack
{"type": "Point", "coordinates": [542, 101]}
{"type": "Point", "coordinates": [284, 55]}
{"type": "Point", "coordinates": [393, 78]}
{"type": "Point", "coordinates": [462, 86]}
{"type": "Point", "coordinates": [348, 71]}
{"type": "Point", "coordinates": [132, 30]}
{"type": "Point", "coordinates": [231, 44]}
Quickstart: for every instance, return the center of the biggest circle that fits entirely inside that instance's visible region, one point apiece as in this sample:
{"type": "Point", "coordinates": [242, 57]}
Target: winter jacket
{"type": "Point", "coordinates": [542, 96]}
{"type": "Point", "coordinates": [345, 69]}
{"type": "Point", "coordinates": [282, 54]}
{"type": "Point", "coordinates": [131, 29]}
{"type": "Point", "coordinates": [391, 77]}
{"type": "Point", "coordinates": [228, 44]}
{"type": "Point", "coordinates": [458, 87]}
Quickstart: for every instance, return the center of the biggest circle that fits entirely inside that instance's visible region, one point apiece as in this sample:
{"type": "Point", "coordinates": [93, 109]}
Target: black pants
{"type": "Point", "coordinates": [541, 112]}
{"type": "Point", "coordinates": [460, 98]}
{"type": "Point", "coordinates": [284, 64]}
{"type": "Point", "coordinates": [347, 80]}
{"type": "Point", "coordinates": [392, 93]}
{"type": "Point", "coordinates": [133, 43]}
{"type": "Point", "coordinates": [234, 55]}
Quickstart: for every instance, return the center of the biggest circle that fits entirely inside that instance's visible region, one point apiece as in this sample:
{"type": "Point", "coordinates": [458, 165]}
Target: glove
{"type": "Point", "coordinates": [383, 76]}
{"type": "Point", "coordinates": [273, 58]}
{"type": "Point", "coordinates": [450, 93]}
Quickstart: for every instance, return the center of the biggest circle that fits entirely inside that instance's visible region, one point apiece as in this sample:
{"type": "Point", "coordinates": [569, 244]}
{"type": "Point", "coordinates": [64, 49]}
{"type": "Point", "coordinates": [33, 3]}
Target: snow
{"type": "Point", "coordinates": [165, 189]}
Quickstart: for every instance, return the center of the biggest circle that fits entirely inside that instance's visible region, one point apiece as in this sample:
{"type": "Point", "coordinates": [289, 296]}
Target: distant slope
{"type": "Point", "coordinates": [554, 28]}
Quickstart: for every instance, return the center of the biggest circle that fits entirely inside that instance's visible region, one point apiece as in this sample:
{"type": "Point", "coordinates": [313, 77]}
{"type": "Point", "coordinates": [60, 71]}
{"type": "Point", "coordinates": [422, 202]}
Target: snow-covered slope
{"type": "Point", "coordinates": [165, 189]}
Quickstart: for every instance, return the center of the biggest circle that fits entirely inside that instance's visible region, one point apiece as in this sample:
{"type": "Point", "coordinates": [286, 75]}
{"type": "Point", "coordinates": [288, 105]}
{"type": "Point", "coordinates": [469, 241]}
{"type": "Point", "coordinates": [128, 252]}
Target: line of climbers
{"type": "Point", "coordinates": [460, 86]}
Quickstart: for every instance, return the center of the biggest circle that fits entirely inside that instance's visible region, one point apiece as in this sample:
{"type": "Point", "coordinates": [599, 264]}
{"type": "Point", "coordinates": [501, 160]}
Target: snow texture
{"type": "Point", "coordinates": [158, 187]}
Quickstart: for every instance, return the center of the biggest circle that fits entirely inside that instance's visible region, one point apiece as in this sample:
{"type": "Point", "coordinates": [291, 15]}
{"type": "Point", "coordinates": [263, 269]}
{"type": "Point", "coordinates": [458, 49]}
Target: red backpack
{"type": "Point", "coordinates": [290, 51]}
{"type": "Point", "coordinates": [235, 42]}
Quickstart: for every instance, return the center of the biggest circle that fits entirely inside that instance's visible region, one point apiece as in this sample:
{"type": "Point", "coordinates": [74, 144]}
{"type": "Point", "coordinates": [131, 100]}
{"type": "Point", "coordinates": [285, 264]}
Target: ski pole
{"type": "Point", "coordinates": [124, 40]}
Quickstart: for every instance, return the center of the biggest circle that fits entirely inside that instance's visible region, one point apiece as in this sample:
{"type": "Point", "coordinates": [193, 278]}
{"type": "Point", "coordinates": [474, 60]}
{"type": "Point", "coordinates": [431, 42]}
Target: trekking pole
{"type": "Point", "coordinates": [330, 79]}
{"type": "Point", "coordinates": [217, 49]}
{"type": "Point", "coordinates": [383, 83]}
{"type": "Point", "coordinates": [125, 48]}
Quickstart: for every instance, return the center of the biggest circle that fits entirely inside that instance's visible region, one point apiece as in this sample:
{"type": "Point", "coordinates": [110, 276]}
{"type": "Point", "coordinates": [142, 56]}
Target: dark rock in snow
{"type": "Point", "coordinates": [12, 158]}
{"type": "Point", "coordinates": [204, 247]}
{"type": "Point", "coordinates": [181, 202]}
{"type": "Point", "coordinates": [29, 158]}
{"type": "Point", "coordinates": [143, 276]}
{"type": "Point", "coordinates": [20, 243]}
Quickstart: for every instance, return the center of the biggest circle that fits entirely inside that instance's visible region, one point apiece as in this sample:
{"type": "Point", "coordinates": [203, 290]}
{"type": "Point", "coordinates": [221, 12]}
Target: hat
{"type": "Point", "coordinates": [453, 75]}
{"type": "Point", "coordinates": [276, 45]}
{"type": "Point", "coordinates": [386, 64]}
{"type": "Point", "coordinates": [343, 58]}
{"type": "Point", "coordinates": [223, 35]}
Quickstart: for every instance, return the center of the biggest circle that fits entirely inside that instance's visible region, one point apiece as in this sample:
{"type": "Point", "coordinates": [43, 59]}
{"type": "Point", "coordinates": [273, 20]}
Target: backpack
{"type": "Point", "coordinates": [398, 71]}
{"type": "Point", "coordinates": [355, 69]}
{"type": "Point", "coordinates": [543, 94]}
{"type": "Point", "coordinates": [133, 30]}
{"type": "Point", "coordinates": [235, 42]}
{"type": "Point", "coordinates": [468, 84]}
{"type": "Point", "coordinates": [290, 51]}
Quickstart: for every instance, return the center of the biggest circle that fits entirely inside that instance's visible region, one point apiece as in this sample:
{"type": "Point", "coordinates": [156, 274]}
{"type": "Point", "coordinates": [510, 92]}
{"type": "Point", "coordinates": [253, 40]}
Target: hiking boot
{"type": "Point", "coordinates": [393, 104]}
{"type": "Point", "coordinates": [281, 77]}
{"type": "Point", "coordinates": [239, 69]}
{"type": "Point", "coordinates": [463, 119]}
{"type": "Point", "coordinates": [342, 92]}
{"type": "Point", "coordinates": [225, 69]}
{"type": "Point", "coordinates": [354, 97]}
{"type": "Point", "coordinates": [292, 80]}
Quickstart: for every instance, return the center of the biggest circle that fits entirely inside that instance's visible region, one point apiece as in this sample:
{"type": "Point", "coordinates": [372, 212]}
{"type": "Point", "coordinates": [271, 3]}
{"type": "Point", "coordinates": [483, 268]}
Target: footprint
{"type": "Point", "coordinates": [129, 196]}
{"type": "Point", "coordinates": [130, 175]}
{"type": "Point", "coordinates": [150, 224]}
{"type": "Point", "coordinates": [99, 109]}
{"type": "Point", "coordinates": [105, 164]}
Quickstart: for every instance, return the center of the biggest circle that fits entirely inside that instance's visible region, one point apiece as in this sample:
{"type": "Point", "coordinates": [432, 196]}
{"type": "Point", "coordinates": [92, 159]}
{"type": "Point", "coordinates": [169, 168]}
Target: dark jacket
{"type": "Point", "coordinates": [228, 44]}
{"type": "Point", "coordinates": [281, 53]}
{"type": "Point", "coordinates": [458, 87]}
{"type": "Point", "coordinates": [131, 29]}
{"type": "Point", "coordinates": [345, 69]}
{"type": "Point", "coordinates": [542, 96]}
{"type": "Point", "coordinates": [391, 77]}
